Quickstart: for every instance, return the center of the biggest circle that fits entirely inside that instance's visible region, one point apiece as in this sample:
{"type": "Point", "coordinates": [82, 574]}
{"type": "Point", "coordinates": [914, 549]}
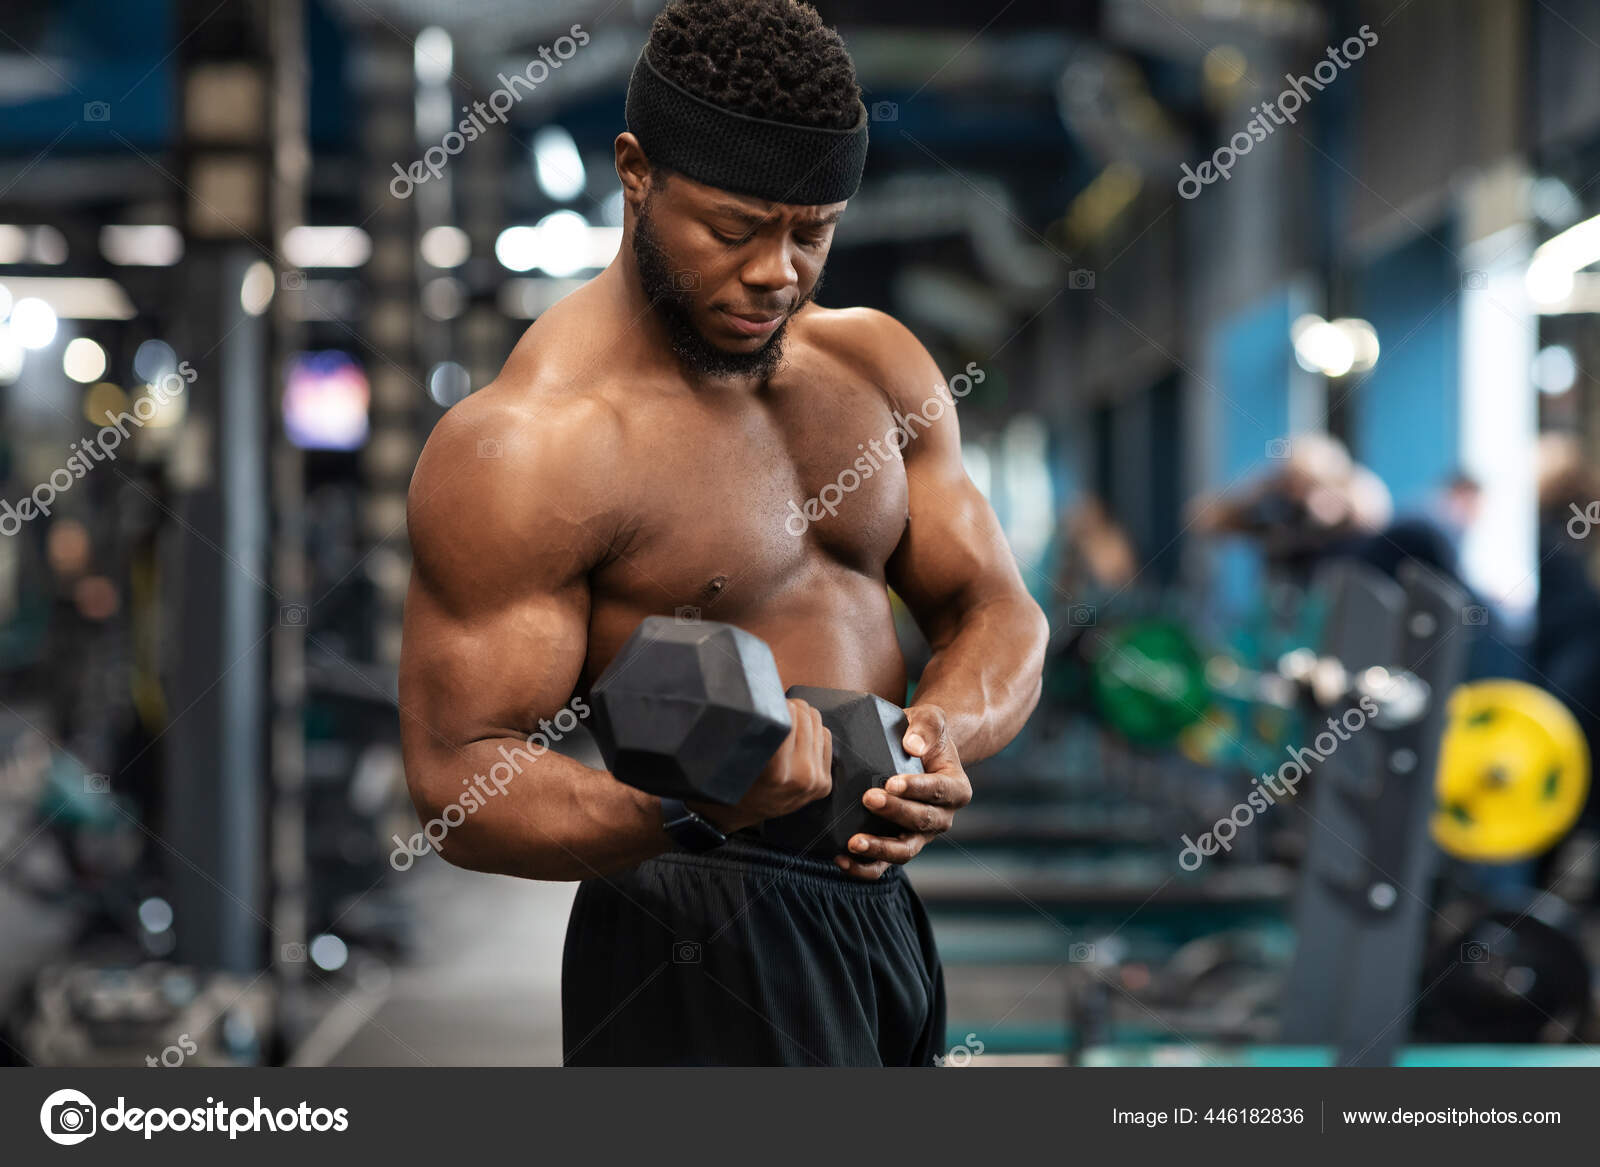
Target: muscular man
{"type": "Point", "coordinates": [647, 448]}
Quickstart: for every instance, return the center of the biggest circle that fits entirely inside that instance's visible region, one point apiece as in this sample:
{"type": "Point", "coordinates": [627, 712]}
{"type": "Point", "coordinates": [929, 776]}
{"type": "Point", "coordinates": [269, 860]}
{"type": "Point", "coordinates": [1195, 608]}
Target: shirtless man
{"type": "Point", "coordinates": [639, 454]}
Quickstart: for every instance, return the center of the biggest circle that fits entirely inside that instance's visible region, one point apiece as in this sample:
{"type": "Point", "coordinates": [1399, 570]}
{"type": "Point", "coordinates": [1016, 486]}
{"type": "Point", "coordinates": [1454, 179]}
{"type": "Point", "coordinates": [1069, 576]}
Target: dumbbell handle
{"type": "Point", "coordinates": [866, 753]}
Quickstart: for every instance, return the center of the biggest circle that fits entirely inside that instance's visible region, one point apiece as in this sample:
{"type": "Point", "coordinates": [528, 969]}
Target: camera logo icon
{"type": "Point", "coordinates": [686, 952]}
{"type": "Point", "coordinates": [294, 281]}
{"type": "Point", "coordinates": [292, 616]}
{"type": "Point", "coordinates": [1081, 953]}
{"type": "Point", "coordinates": [1278, 449]}
{"type": "Point", "coordinates": [67, 1117]}
{"type": "Point", "coordinates": [685, 281]}
{"type": "Point", "coordinates": [293, 953]}
{"type": "Point", "coordinates": [686, 615]}
{"type": "Point", "coordinates": [1081, 615]}
{"type": "Point", "coordinates": [885, 111]}
{"type": "Point", "coordinates": [1474, 952]}
{"type": "Point", "coordinates": [1474, 614]}
{"type": "Point", "coordinates": [97, 111]}
{"type": "Point", "coordinates": [1080, 279]}
{"type": "Point", "coordinates": [491, 448]}
{"type": "Point", "coordinates": [97, 783]}
{"type": "Point", "coordinates": [1474, 280]}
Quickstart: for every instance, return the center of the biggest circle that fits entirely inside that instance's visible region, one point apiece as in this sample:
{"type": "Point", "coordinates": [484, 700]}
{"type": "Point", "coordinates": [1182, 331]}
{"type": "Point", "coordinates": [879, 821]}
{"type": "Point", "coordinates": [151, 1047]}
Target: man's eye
{"type": "Point", "coordinates": [811, 240]}
{"type": "Point", "coordinates": [730, 240]}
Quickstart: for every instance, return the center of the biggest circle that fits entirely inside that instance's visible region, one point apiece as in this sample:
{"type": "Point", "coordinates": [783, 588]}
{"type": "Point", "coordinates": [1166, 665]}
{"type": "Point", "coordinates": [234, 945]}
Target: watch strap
{"type": "Point", "coordinates": [688, 829]}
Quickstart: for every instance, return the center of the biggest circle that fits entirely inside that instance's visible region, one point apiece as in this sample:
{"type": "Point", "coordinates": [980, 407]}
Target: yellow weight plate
{"type": "Point", "coordinates": [1513, 773]}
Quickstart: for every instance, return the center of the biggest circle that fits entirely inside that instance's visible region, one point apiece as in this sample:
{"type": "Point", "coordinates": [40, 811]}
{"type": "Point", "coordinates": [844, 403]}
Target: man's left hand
{"type": "Point", "coordinates": [924, 804]}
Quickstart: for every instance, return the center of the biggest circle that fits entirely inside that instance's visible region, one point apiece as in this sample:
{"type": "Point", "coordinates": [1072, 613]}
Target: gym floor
{"type": "Point", "coordinates": [484, 988]}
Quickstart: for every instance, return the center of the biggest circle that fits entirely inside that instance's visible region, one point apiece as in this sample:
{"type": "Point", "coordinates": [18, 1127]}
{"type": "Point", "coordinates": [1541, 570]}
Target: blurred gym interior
{"type": "Point", "coordinates": [1289, 420]}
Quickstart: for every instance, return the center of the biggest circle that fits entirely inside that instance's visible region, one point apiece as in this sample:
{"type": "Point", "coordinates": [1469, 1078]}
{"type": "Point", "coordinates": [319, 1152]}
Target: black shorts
{"type": "Point", "coordinates": [746, 956]}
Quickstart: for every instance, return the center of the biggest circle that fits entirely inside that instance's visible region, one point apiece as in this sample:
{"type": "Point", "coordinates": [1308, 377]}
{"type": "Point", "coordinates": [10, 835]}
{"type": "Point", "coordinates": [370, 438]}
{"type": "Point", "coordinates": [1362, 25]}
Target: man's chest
{"type": "Point", "coordinates": [762, 489]}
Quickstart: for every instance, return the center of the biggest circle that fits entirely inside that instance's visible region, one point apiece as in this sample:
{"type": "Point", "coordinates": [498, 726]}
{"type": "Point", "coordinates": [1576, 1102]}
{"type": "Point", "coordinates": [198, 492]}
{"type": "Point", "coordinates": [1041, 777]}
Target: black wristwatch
{"type": "Point", "coordinates": [689, 830]}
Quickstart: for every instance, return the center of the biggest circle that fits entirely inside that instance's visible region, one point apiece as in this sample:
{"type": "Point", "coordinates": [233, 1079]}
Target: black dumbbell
{"type": "Point", "coordinates": [694, 711]}
{"type": "Point", "coordinates": [866, 753]}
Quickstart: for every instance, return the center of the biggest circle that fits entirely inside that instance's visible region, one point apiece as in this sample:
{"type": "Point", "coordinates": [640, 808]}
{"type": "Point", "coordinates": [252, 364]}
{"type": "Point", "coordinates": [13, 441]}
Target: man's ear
{"type": "Point", "coordinates": [633, 169]}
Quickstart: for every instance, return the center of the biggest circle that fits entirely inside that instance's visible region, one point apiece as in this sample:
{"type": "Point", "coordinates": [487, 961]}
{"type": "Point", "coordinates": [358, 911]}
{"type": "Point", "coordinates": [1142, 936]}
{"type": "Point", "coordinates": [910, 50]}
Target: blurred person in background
{"type": "Point", "coordinates": [1566, 638]}
{"type": "Point", "coordinates": [1457, 506]}
{"type": "Point", "coordinates": [1321, 504]}
{"type": "Point", "coordinates": [1317, 504]}
{"type": "Point", "coordinates": [1096, 564]}
{"type": "Point", "coordinates": [1097, 557]}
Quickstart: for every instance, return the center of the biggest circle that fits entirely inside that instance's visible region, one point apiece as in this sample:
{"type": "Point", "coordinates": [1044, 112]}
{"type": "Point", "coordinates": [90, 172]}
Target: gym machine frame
{"type": "Point", "coordinates": [1361, 909]}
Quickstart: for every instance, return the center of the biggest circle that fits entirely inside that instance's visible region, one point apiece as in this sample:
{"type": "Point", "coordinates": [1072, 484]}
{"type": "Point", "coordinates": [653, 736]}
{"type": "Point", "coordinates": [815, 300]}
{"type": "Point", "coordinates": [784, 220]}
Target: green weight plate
{"type": "Point", "coordinates": [1149, 681]}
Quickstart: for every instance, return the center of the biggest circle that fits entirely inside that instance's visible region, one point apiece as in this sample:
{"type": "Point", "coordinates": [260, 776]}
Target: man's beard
{"type": "Point", "coordinates": [674, 307]}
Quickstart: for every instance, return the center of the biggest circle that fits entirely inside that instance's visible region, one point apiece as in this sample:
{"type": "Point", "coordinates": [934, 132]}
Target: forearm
{"type": "Point", "coordinates": [987, 675]}
{"type": "Point", "coordinates": [493, 807]}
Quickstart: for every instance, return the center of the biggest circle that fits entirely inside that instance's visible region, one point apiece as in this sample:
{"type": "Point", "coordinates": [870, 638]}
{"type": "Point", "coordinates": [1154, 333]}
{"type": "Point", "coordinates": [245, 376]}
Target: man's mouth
{"type": "Point", "coordinates": [752, 323]}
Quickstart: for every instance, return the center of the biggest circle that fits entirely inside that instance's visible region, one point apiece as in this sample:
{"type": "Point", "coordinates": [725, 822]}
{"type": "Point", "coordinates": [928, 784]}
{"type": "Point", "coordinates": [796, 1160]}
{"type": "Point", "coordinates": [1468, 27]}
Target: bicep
{"type": "Point", "coordinates": [492, 670]}
{"type": "Point", "coordinates": [954, 555]}
{"type": "Point", "coordinates": [496, 617]}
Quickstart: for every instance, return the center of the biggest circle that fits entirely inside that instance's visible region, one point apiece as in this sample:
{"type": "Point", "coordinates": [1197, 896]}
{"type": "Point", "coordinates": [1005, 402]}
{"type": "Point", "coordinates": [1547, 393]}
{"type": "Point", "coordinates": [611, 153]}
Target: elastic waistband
{"type": "Point", "coordinates": [740, 853]}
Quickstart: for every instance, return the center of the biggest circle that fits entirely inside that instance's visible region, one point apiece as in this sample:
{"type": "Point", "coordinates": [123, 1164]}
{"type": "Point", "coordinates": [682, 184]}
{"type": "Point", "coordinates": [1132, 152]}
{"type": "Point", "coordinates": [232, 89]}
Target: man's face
{"type": "Point", "coordinates": [726, 272]}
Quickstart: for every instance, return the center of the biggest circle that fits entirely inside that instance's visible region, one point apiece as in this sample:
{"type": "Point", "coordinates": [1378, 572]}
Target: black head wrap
{"type": "Point", "coordinates": [777, 161]}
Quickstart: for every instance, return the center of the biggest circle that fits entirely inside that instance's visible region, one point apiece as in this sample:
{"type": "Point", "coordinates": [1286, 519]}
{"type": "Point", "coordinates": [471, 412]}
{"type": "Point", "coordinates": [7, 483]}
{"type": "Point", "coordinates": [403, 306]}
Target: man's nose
{"type": "Point", "coordinates": [770, 267]}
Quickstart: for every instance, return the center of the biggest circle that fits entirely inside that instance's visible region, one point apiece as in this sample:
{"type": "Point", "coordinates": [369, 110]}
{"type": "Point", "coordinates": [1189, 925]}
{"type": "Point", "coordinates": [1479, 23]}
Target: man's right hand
{"type": "Point", "coordinates": [800, 772]}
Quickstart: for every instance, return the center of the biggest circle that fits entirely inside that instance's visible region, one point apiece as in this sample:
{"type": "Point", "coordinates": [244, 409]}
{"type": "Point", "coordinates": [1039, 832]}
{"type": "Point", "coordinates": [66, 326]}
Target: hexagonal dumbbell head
{"type": "Point", "coordinates": [866, 753]}
{"type": "Point", "coordinates": [690, 710]}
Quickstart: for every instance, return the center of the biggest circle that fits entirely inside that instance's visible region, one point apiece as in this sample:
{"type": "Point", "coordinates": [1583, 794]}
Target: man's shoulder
{"type": "Point", "coordinates": [516, 461]}
{"type": "Point", "coordinates": [530, 423]}
{"type": "Point", "coordinates": [873, 343]}
{"type": "Point", "coordinates": [854, 333]}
